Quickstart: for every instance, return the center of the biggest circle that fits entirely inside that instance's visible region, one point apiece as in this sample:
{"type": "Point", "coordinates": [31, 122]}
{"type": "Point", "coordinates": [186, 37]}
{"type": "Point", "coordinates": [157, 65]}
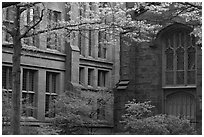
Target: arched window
{"type": "Point", "coordinates": [179, 52]}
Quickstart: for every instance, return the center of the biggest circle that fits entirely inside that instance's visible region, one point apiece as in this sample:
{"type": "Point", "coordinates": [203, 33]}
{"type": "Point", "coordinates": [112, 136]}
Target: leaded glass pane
{"type": "Point", "coordinates": [169, 59]}
{"type": "Point", "coordinates": [180, 77]}
{"type": "Point", "coordinates": [191, 58]}
{"type": "Point", "coordinates": [180, 58]}
{"type": "Point", "coordinates": [10, 78]}
{"type": "Point", "coordinates": [4, 77]}
{"type": "Point", "coordinates": [31, 81]}
{"type": "Point", "coordinates": [191, 77]}
{"type": "Point", "coordinates": [24, 79]}
{"type": "Point", "coordinates": [169, 78]}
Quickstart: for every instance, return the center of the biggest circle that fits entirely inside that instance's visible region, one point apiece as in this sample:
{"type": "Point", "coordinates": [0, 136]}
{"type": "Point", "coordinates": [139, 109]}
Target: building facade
{"type": "Point", "coordinates": [52, 64]}
{"type": "Point", "coordinates": [166, 71]}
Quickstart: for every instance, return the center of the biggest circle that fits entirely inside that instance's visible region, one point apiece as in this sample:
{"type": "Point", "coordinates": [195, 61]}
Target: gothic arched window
{"type": "Point", "coordinates": [179, 59]}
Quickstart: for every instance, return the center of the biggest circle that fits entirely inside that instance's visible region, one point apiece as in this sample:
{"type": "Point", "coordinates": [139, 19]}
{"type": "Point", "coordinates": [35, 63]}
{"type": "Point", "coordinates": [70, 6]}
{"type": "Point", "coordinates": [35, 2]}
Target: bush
{"type": "Point", "coordinates": [138, 119]}
{"type": "Point", "coordinates": [71, 112]}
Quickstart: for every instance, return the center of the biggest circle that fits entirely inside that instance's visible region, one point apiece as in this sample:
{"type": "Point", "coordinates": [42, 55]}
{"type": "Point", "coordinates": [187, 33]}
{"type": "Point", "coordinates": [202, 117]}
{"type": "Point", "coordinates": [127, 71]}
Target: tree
{"type": "Point", "coordinates": [119, 20]}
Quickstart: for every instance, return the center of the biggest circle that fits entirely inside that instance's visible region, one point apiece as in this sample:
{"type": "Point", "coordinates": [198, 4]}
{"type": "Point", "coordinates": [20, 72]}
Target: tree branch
{"type": "Point", "coordinates": [192, 5]}
{"type": "Point", "coordinates": [67, 27]}
{"type": "Point", "coordinates": [7, 30]}
{"type": "Point", "coordinates": [33, 26]}
{"type": "Point", "coordinates": [29, 4]}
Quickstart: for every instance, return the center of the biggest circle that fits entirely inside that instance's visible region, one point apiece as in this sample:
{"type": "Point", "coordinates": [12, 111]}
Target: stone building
{"type": "Point", "coordinates": [166, 71]}
{"type": "Point", "coordinates": [51, 64]}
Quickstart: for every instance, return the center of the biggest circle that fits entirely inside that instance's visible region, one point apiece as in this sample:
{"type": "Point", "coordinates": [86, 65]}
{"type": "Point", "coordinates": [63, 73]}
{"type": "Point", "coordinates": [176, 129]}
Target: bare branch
{"type": "Point", "coordinates": [7, 30]}
{"type": "Point", "coordinates": [33, 26]}
{"type": "Point", "coordinates": [67, 27]}
{"type": "Point", "coordinates": [28, 4]}
{"type": "Point", "coordinates": [192, 5]}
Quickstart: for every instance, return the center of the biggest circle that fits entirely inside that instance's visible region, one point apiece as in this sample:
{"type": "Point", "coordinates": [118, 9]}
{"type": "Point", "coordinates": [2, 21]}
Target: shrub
{"type": "Point", "coordinates": [139, 119]}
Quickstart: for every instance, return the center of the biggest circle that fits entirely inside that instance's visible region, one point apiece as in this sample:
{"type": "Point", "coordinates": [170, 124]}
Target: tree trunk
{"type": "Point", "coordinates": [16, 73]}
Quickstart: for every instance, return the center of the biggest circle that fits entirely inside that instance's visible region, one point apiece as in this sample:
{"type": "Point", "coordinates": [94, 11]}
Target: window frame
{"type": "Point", "coordinates": [102, 78]}
{"type": "Point", "coordinates": [82, 75]}
{"type": "Point", "coordinates": [90, 80]}
{"type": "Point", "coordinates": [50, 93]}
{"type": "Point", "coordinates": [180, 35]}
{"type": "Point", "coordinates": [52, 19]}
{"type": "Point", "coordinates": [29, 93]}
{"type": "Point", "coordinates": [8, 77]}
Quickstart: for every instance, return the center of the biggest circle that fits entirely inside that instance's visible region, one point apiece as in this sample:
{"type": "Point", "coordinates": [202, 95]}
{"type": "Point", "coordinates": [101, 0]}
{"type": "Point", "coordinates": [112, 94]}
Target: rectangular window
{"type": "Point", "coordinates": [81, 75]}
{"type": "Point", "coordinates": [102, 44]}
{"type": "Point", "coordinates": [9, 16]}
{"type": "Point", "coordinates": [90, 76]}
{"type": "Point", "coordinates": [28, 92]}
{"type": "Point", "coordinates": [101, 109]}
{"type": "Point", "coordinates": [51, 93]}
{"type": "Point", "coordinates": [53, 40]}
{"type": "Point", "coordinates": [30, 17]}
{"type": "Point", "coordinates": [90, 42]}
{"type": "Point", "coordinates": [81, 41]}
{"type": "Point", "coordinates": [102, 78]}
{"type": "Point", "coordinates": [53, 18]}
{"type": "Point", "coordinates": [6, 77]}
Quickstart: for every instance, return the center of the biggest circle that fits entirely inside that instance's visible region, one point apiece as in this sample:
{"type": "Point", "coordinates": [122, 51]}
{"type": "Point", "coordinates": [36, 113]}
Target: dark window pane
{"type": "Point", "coordinates": [47, 82]}
{"type": "Point", "coordinates": [90, 77]}
{"type": "Point", "coordinates": [4, 77]}
{"type": "Point", "coordinates": [180, 58]}
{"type": "Point", "coordinates": [180, 77]}
{"type": "Point", "coordinates": [191, 77]}
{"type": "Point", "coordinates": [191, 58]}
{"type": "Point", "coordinates": [54, 83]}
{"type": "Point", "coordinates": [81, 75]}
{"type": "Point", "coordinates": [90, 42]}
{"type": "Point", "coordinates": [169, 78]}
{"type": "Point", "coordinates": [169, 59]}
{"type": "Point", "coordinates": [24, 79]}
{"type": "Point", "coordinates": [31, 81]}
{"type": "Point", "coordinates": [47, 100]}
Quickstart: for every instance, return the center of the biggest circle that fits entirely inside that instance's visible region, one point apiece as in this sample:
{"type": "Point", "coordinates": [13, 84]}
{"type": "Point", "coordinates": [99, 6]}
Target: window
{"type": "Point", "coordinates": [51, 93]}
{"type": "Point", "coordinates": [102, 78]}
{"type": "Point", "coordinates": [91, 41]}
{"type": "Point", "coordinates": [30, 16]}
{"type": "Point", "coordinates": [53, 18]}
{"type": "Point", "coordinates": [9, 14]}
{"type": "Point", "coordinates": [28, 92]}
{"type": "Point", "coordinates": [6, 77]}
{"type": "Point", "coordinates": [53, 41]}
{"type": "Point", "coordinates": [8, 18]}
{"type": "Point", "coordinates": [102, 44]}
{"type": "Point", "coordinates": [179, 53]}
{"type": "Point", "coordinates": [81, 41]}
{"type": "Point", "coordinates": [101, 109]}
{"type": "Point", "coordinates": [90, 76]}
{"type": "Point", "coordinates": [81, 75]}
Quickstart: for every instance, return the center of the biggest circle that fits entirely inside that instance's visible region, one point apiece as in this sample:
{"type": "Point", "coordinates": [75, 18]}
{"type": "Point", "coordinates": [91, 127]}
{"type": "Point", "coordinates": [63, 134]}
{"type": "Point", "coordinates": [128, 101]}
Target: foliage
{"type": "Point", "coordinates": [6, 107]}
{"type": "Point", "coordinates": [32, 130]}
{"type": "Point", "coordinates": [73, 113]}
{"type": "Point", "coordinates": [138, 119]}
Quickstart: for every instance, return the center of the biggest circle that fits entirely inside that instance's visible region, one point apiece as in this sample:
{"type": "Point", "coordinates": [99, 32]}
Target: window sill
{"type": "Point", "coordinates": [7, 90]}
{"type": "Point", "coordinates": [178, 87]}
{"type": "Point", "coordinates": [31, 92]}
{"type": "Point", "coordinates": [52, 94]}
